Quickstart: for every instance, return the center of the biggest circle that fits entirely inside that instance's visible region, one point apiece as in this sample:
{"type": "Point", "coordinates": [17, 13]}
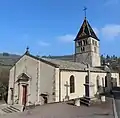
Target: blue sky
{"type": "Point", "coordinates": [48, 27]}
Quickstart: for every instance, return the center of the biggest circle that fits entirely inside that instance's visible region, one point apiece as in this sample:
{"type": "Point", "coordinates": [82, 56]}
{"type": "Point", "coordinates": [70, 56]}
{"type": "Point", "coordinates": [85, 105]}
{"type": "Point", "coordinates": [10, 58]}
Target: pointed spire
{"type": "Point", "coordinates": [86, 31]}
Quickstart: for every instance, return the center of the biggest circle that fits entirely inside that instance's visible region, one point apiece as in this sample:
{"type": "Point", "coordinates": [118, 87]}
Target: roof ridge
{"type": "Point", "coordinates": [65, 61]}
{"type": "Point", "coordinates": [88, 27]}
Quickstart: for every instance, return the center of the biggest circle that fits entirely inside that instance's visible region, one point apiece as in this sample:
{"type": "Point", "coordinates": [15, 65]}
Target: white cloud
{"type": "Point", "coordinates": [44, 44]}
{"type": "Point", "coordinates": [66, 38]}
{"type": "Point", "coordinates": [110, 31]}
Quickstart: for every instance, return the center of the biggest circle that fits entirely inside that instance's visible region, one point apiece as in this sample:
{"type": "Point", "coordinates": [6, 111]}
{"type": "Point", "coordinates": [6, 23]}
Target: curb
{"type": "Point", "coordinates": [114, 109]}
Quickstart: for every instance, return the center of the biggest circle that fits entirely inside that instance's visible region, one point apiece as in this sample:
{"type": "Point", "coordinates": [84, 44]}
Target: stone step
{"type": "Point", "coordinates": [11, 109]}
{"type": "Point", "coordinates": [14, 108]}
{"type": "Point", "coordinates": [6, 110]}
{"type": "Point", "coordinates": [85, 101]}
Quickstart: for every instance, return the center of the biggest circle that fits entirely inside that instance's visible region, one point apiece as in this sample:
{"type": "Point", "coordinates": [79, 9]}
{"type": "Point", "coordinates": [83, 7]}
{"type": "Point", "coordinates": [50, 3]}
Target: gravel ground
{"type": "Point", "coordinates": [62, 110]}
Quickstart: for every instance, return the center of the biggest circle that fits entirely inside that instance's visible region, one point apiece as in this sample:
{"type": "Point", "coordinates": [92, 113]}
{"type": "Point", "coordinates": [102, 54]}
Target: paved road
{"type": "Point", "coordinates": [62, 110]}
{"type": "Point", "coordinates": [116, 94]}
{"type": "Point", "coordinates": [117, 102]}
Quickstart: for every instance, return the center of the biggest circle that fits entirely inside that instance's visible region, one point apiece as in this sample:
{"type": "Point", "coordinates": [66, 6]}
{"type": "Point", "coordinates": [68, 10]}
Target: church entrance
{"type": "Point", "coordinates": [87, 90]}
{"type": "Point", "coordinates": [24, 98]}
{"type": "Point", "coordinates": [12, 95]}
{"type": "Point", "coordinates": [106, 81]}
{"type": "Point", "coordinates": [23, 85]}
{"type": "Point", "coordinates": [87, 86]}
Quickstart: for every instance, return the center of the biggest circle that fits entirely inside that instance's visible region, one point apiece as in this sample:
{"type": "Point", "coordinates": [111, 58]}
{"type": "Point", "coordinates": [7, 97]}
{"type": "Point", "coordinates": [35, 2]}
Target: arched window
{"type": "Point", "coordinates": [82, 49]}
{"type": "Point", "coordinates": [72, 84]}
{"type": "Point", "coordinates": [98, 82]}
{"type": "Point", "coordinates": [84, 42]}
{"type": "Point", "coordinates": [105, 81]}
{"type": "Point", "coordinates": [95, 50]}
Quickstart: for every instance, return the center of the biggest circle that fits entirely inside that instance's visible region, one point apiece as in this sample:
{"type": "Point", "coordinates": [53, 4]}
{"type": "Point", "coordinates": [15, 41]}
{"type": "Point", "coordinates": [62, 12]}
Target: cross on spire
{"type": "Point", "coordinates": [27, 50]}
{"type": "Point", "coordinates": [85, 9]}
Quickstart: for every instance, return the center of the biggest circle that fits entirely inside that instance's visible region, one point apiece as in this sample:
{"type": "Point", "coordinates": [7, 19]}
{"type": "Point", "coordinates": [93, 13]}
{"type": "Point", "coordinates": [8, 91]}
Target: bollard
{"type": "Point", "coordinates": [77, 102]}
{"type": "Point", "coordinates": [103, 98]}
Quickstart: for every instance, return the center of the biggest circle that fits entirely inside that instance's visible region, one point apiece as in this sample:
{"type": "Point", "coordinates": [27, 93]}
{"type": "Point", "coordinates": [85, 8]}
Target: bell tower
{"type": "Point", "coordinates": [87, 45]}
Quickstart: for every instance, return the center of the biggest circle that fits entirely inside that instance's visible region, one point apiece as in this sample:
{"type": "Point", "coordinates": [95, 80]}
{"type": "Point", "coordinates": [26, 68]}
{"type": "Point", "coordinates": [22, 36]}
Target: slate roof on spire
{"type": "Point", "coordinates": [86, 31]}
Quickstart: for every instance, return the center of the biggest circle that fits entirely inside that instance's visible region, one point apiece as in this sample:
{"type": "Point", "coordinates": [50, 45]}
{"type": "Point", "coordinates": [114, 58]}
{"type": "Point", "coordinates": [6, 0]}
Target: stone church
{"type": "Point", "coordinates": [39, 80]}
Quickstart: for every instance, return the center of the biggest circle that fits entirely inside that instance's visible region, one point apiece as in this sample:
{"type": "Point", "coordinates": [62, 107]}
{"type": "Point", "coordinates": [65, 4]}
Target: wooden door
{"type": "Point", "coordinates": [87, 90]}
{"type": "Point", "coordinates": [24, 98]}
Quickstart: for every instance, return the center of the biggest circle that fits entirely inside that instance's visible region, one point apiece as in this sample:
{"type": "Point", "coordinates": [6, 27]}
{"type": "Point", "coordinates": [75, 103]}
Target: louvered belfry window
{"type": "Point", "coordinates": [72, 84]}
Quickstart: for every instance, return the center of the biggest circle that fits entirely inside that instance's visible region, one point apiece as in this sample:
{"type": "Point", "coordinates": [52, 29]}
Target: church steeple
{"type": "Point", "coordinates": [87, 45]}
{"type": "Point", "coordinates": [86, 31]}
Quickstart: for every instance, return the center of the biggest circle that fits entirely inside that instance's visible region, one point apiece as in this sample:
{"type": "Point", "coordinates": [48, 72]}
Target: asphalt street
{"type": "Point", "coordinates": [116, 94]}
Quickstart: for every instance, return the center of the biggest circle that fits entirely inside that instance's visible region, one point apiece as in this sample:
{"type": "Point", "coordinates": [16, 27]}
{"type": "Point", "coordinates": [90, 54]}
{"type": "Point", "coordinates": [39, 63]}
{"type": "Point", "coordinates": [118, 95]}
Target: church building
{"type": "Point", "coordinates": [39, 80]}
